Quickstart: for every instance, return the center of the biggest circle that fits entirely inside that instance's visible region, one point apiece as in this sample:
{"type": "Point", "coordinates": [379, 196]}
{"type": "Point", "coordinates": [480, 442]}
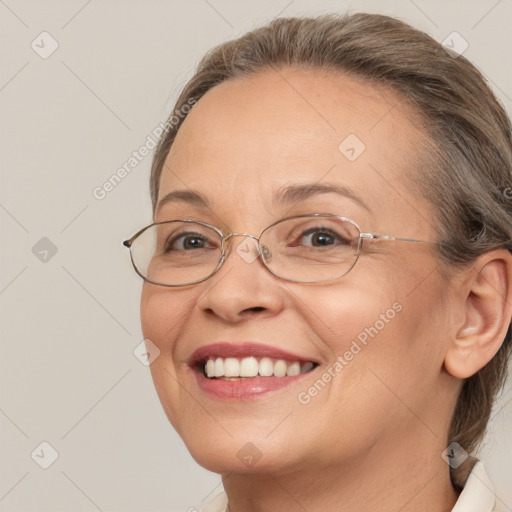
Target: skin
{"type": "Point", "coordinates": [372, 438]}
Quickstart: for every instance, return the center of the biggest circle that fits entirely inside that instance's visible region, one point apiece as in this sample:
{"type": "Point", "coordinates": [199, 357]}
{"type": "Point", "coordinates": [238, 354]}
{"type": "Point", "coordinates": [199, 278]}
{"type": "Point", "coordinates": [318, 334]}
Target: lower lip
{"type": "Point", "coordinates": [244, 388]}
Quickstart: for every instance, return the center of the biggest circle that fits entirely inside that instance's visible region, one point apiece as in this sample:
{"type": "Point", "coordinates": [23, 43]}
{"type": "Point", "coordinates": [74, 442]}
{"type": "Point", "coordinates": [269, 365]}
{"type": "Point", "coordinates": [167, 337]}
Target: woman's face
{"type": "Point", "coordinates": [270, 146]}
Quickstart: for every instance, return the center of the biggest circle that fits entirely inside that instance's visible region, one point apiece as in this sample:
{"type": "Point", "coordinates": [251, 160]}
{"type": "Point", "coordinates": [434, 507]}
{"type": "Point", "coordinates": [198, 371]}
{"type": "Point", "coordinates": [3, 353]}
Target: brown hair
{"type": "Point", "coordinates": [469, 175]}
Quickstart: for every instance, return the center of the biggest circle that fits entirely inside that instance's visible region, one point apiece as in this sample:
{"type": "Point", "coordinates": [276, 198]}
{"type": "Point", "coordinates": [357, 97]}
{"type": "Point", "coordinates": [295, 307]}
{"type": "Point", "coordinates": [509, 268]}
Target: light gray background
{"type": "Point", "coordinates": [70, 324]}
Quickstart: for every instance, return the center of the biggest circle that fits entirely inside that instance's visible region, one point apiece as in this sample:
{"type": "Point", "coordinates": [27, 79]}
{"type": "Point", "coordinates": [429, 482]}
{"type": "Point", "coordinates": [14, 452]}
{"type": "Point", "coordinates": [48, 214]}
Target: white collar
{"type": "Point", "coordinates": [477, 496]}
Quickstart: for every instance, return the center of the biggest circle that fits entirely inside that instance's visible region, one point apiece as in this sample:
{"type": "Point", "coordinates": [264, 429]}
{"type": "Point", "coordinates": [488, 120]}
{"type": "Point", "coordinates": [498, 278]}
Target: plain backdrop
{"type": "Point", "coordinates": [69, 298]}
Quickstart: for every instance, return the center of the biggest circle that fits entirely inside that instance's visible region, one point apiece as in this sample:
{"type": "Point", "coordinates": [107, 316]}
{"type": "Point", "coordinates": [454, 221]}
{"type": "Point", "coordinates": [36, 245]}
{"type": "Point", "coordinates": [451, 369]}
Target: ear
{"type": "Point", "coordinates": [487, 312]}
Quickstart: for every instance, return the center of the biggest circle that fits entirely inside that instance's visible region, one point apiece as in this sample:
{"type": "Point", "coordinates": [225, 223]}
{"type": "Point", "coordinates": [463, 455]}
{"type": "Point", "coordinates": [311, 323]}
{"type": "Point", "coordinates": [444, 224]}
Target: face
{"type": "Point", "coordinates": [377, 356]}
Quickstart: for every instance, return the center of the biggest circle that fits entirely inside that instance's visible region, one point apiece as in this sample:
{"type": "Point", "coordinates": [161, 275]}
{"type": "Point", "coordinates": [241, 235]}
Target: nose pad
{"type": "Point", "coordinates": [266, 254]}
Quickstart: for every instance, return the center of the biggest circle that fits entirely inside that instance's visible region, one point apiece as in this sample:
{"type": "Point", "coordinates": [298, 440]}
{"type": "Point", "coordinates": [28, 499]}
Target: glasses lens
{"type": "Point", "coordinates": [176, 252]}
{"type": "Point", "coordinates": [311, 249]}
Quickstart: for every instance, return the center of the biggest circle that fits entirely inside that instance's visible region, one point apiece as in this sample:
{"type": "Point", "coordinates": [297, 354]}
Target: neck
{"type": "Point", "coordinates": [413, 479]}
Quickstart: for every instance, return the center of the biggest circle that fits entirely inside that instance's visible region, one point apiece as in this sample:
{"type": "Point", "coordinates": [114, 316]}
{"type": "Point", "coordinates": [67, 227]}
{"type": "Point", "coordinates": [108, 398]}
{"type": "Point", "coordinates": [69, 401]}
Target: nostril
{"type": "Point", "coordinates": [254, 309]}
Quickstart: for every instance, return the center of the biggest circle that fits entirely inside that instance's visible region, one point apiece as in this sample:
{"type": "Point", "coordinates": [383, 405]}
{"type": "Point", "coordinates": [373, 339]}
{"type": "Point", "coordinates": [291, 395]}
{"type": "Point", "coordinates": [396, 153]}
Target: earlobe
{"type": "Point", "coordinates": [487, 314]}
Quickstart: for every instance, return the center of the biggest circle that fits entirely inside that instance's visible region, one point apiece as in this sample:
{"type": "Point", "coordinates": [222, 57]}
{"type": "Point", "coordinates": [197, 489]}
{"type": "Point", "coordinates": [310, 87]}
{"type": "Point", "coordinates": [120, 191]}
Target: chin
{"type": "Point", "coordinates": [241, 457]}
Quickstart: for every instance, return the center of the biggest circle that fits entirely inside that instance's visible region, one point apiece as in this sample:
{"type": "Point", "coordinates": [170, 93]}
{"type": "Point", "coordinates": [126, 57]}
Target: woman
{"type": "Point", "coordinates": [329, 277]}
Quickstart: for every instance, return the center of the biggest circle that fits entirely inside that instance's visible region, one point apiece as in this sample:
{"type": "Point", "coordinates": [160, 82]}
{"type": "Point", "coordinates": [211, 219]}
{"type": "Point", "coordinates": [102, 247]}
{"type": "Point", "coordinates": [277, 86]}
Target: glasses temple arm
{"type": "Point", "coordinates": [398, 239]}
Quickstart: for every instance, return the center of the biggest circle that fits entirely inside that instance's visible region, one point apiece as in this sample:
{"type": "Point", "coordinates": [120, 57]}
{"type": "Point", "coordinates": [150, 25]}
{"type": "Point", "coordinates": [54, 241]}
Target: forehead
{"type": "Point", "coordinates": [248, 137]}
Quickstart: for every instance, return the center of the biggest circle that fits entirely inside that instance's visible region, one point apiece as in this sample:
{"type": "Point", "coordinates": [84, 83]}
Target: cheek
{"type": "Point", "coordinates": [346, 311]}
{"type": "Point", "coordinates": [380, 336]}
{"type": "Point", "coordinates": [163, 318]}
{"type": "Point", "coordinates": [370, 333]}
{"type": "Point", "coordinates": [163, 313]}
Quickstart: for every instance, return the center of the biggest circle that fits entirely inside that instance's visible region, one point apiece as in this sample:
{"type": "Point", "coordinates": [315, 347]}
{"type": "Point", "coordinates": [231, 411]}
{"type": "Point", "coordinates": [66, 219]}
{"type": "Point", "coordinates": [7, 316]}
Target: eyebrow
{"type": "Point", "coordinates": [186, 196]}
{"type": "Point", "coordinates": [297, 193]}
{"type": "Point", "coordinates": [284, 196]}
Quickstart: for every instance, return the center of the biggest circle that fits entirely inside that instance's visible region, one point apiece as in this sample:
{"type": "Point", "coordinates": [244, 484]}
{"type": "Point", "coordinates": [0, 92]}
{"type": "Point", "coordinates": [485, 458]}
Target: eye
{"type": "Point", "coordinates": [187, 241]}
{"type": "Point", "coordinates": [320, 237]}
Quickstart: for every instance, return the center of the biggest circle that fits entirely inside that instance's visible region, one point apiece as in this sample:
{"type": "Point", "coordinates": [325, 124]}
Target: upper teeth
{"type": "Point", "coordinates": [251, 367]}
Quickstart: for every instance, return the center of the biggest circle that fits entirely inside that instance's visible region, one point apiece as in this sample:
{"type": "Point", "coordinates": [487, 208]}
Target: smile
{"type": "Point", "coordinates": [245, 371]}
{"type": "Point", "coordinates": [248, 367]}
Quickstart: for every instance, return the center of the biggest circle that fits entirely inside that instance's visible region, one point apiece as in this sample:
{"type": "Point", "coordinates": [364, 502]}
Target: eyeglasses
{"type": "Point", "coordinates": [310, 248]}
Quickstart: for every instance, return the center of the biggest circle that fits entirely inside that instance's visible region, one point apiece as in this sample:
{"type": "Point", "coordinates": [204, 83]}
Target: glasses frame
{"type": "Point", "coordinates": [226, 247]}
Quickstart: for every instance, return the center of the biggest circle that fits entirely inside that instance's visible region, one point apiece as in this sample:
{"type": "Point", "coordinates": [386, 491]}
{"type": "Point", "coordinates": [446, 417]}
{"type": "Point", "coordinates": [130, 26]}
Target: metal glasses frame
{"type": "Point", "coordinates": [226, 248]}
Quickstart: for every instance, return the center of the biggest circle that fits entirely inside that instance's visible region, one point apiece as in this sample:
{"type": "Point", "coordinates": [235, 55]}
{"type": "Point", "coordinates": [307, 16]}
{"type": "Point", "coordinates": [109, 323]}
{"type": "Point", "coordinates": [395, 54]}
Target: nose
{"type": "Point", "coordinates": [243, 287]}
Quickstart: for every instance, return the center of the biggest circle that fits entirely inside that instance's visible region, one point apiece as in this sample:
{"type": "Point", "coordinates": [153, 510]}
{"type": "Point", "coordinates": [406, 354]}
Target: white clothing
{"type": "Point", "coordinates": [477, 496]}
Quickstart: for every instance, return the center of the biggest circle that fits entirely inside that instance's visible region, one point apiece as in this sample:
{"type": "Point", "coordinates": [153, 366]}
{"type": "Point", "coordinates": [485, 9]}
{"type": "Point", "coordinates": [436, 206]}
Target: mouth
{"type": "Point", "coordinates": [250, 367]}
{"type": "Point", "coordinates": [246, 371]}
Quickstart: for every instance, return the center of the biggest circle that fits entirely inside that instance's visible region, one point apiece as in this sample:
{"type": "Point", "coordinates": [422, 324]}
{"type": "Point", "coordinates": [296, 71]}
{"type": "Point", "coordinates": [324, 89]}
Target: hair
{"type": "Point", "coordinates": [468, 179]}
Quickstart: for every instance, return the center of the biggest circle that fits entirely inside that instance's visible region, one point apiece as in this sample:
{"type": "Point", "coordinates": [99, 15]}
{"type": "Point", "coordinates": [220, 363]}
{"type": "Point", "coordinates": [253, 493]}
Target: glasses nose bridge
{"type": "Point", "coordinates": [254, 237]}
{"type": "Point", "coordinates": [226, 245]}
{"type": "Point", "coordinates": [227, 241]}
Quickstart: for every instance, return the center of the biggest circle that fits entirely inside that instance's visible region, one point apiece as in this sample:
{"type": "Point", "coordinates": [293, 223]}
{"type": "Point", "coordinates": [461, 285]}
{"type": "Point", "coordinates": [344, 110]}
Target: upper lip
{"type": "Point", "coordinates": [240, 350]}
